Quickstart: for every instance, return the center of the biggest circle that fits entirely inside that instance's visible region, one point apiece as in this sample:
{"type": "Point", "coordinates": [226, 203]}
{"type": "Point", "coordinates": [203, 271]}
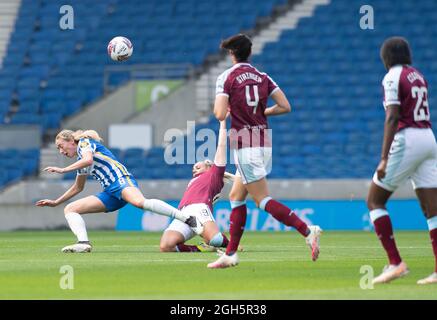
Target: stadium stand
{"type": "Point", "coordinates": [56, 72]}
{"type": "Point", "coordinates": [17, 164]}
{"type": "Point", "coordinates": [49, 73]}
{"type": "Point", "coordinates": [329, 68]}
{"type": "Point", "coordinates": [331, 71]}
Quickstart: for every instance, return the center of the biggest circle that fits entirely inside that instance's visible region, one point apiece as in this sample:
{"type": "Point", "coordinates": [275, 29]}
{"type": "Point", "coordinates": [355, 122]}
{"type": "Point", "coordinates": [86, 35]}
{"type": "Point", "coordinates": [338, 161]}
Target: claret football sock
{"type": "Point", "coordinates": [433, 234]}
{"type": "Point", "coordinates": [384, 231]}
{"type": "Point", "coordinates": [236, 227]}
{"type": "Point", "coordinates": [285, 215]}
{"type": "Point", "coordinates": [186, 248]}
{"type": "Point", "coordinates": [432, 224]}
{"type": "Point", "coordinates": [225, 241]}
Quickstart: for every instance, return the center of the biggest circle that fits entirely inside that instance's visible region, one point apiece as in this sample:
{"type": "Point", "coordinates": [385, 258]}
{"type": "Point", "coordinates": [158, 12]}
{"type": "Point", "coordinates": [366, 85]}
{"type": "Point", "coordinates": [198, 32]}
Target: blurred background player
{"type": "Point", "coordinates": [198, 200]}
{"type": "Point", "coordinates": [409, 150]}
{"type": "Point", "coordinates": [244, 91]}
{"type": "Point", "coordinates": [119, 186]}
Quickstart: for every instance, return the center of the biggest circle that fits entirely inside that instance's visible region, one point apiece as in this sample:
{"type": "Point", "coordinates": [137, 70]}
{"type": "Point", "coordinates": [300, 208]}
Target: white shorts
{"type": "Point", "coordinates": [253, 164]}
{"type": "Point", "coordinates": [200, 210]}
{"type": "Point", "coordinates": [413, 154]}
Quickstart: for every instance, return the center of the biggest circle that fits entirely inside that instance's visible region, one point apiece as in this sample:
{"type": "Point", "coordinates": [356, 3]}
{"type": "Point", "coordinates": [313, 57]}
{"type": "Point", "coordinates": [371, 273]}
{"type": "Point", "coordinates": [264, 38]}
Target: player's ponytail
{"type": "Point", "coordinates": [69, 135]}
{"type": "Point", "coordinates": [87, 134]}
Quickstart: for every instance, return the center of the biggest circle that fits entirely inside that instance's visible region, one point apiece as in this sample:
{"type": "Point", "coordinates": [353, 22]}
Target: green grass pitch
{"type": "Point", "coordinates": [128, 265]}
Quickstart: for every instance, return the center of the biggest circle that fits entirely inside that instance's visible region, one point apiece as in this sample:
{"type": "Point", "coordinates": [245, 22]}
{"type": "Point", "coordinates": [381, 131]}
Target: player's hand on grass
{"type": "Point", "coordinates": [54, 169]}
{"type": "Point", "coordinates": [46, 203]}
{"type": "Point", "coordinates": [381, 169]}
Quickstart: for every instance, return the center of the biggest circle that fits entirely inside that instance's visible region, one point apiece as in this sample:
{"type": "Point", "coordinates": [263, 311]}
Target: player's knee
{"type": "Point", "coordinates": [235, 195]}
{"type": "Point", "coordinates": [430, 212]}
{"type": "Point", "coordinates": [70, 208]}
{"type": "Point", "coordinates": [138, 202]}
{"type": "Point", "coordinates": [372, 204]}
{"type": "Point", "coordinates": [165, 246]}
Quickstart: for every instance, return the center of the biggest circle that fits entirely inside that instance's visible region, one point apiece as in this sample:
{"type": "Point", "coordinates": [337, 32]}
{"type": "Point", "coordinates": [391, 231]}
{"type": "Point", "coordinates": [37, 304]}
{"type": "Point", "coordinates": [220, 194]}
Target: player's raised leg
{"type": "Point", "coordinates": [428, 201]}
{"type": "Point", "coordinates": [282, 213]}
{"type": "Point", "coordinates": [73, 213]}
{"type": "Point", "coordinates": [135, 197]}
{"type": "Point", "coordinates": [377, 198]}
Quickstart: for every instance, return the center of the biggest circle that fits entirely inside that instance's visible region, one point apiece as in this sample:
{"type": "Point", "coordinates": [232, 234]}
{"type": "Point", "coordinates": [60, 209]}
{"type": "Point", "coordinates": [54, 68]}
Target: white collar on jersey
{"type": "Point", "coordinates": [242, 64]}
{"type": "Point", "coordinates": [399, 65]}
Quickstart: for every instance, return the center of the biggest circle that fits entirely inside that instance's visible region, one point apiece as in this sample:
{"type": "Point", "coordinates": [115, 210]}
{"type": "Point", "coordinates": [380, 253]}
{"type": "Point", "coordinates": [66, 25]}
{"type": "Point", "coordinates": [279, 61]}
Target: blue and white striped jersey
{"type": "Point", "coordinates": [106, 169]}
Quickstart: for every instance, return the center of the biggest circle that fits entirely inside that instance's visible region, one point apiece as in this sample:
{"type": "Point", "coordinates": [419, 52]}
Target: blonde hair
{"type": "Point", "coordinates": [69, 135]}
{"type": "Point", "coordinates": [227, 177]}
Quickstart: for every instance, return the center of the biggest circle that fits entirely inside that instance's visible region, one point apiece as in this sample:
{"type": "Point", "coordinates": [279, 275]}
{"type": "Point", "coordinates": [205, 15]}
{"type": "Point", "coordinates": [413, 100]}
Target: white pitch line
{"type": "Point", "coordinates": [291, 259]}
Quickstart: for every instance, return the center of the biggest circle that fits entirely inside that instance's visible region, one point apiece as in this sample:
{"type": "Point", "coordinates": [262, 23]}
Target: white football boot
{"type": "Point", "coordinates": [429, 280]}
{"type": "Point", "coordinates": [77, 248]}
{"type": "Point", "coordinates": [392, 272]}
{"type": "Point", "coordinates": [313, 241]}
{"type": "Point", "coordinates": [224, 261]}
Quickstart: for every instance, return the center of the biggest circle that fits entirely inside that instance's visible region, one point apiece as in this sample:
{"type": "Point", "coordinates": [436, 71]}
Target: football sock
{"type": "Point", "coordinates": [384, 231]}
{"type": "Point", "coordinates": [284, 215]}
{"type": "Point", "coordinates": [186, 248]}
{"type": "Point", "coordinates": [237, 223]}
{"type": "Point", "coordinates": [77, 225]}
{"type": "Point", "coordinates": [225, 241]}
{"type": "Point", "coordinates": [432, 224]}
{"type": "Point", "coordinates": [163, 208]}
{"type": "Point", "coordinates": [219, 240]}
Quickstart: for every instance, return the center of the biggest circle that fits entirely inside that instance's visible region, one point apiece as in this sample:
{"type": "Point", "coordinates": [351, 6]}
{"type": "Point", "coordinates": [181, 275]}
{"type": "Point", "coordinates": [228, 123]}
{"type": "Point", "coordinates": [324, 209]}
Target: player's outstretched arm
{"type": "Point", "coordinates": [75, 189]}
{"type": "Point", "coordinates": [220, 155]}
{"type": "Point", "coordinates": [86, 161]}
{"type": "Point", "coordinates": [221, 107]}
{"type": "Point", "coordinates": [282, 105]}
{"type": "Point", "coordinates": [390, 128]}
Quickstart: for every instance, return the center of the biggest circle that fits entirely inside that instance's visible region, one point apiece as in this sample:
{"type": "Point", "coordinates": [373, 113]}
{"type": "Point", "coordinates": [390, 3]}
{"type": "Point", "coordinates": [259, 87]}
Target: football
{"type": "Point", "coordinates": [120, 48]}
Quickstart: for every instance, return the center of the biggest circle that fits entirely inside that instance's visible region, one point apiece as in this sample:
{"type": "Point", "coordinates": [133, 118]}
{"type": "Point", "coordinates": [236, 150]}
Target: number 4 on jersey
{"type": "Point", "coordinates": [249, 101]}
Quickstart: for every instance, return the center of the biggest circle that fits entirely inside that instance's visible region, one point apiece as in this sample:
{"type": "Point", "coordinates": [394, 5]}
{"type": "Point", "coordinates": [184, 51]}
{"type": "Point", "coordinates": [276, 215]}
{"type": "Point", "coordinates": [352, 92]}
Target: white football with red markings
{"type": "Point", "coordinates": [120, 48]}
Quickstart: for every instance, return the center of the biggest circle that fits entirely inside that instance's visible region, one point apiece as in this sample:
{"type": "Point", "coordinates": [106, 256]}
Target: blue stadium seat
{"type": "Point", "coordinates": [332, 76]}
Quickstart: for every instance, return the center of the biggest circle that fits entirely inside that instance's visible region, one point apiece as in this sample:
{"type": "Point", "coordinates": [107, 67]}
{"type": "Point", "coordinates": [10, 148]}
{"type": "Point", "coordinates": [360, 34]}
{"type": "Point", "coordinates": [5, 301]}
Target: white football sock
{"type": "Point", "coordinates": [164, 209]}
{"type": "Point", "coordinates": [77, 225]}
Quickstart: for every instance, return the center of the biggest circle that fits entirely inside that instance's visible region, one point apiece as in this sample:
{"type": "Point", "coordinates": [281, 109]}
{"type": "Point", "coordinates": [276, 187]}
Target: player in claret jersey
{"type": "Point", "coordinates": [201, 193]}
{"type": "Point", "coordinates": [244, 91]}
{"type": "Point", "coordinates": [409, 150]}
